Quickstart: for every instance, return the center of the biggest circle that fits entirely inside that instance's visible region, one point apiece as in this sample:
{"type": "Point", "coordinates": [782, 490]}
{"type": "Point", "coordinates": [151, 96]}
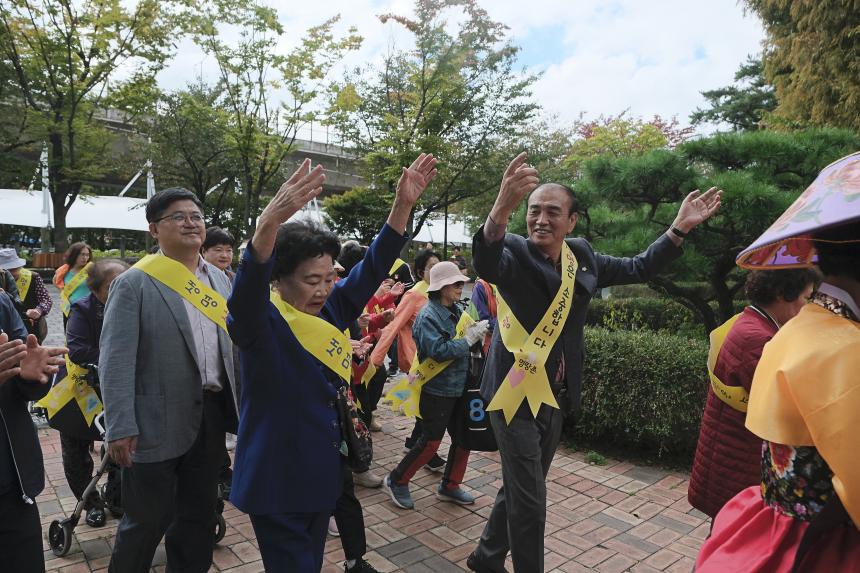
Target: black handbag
{"type": "Point", "coordinates": [471, 428]}
{"type": "Point", "coordinates": [355, 433]}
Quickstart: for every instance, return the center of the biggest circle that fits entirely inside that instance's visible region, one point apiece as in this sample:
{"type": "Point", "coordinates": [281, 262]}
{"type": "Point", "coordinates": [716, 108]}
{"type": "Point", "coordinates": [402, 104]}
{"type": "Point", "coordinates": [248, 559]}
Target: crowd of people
{"type": "Point", "coordinates": [286, 360]}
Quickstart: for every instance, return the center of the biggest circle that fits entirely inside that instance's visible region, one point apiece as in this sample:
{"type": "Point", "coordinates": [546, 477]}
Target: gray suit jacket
{"type": "Point", "coordinates": [528, 283]}
{"type": "Point", "coordinates": [150, 379]}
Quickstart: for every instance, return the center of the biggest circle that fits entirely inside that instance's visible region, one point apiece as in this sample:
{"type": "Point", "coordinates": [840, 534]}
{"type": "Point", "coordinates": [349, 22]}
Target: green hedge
{"type": "Point", "coordinates": [656, 314]}
{"type": "Point", "coordinates": [643, 391]}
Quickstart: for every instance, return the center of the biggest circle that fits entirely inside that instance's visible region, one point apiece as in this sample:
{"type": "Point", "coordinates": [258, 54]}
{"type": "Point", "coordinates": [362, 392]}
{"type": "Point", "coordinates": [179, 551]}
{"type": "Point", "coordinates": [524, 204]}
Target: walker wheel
{"type": "Point", "coordinates": [220, 528]}
{"type": "Point", "coordinates": [60, 537]}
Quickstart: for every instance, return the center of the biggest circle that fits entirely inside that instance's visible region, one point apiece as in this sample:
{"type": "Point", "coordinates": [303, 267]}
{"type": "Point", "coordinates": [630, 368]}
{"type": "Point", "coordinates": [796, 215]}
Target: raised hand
{"type": "Point", "coordinates": [11, 353]}
{"type": "Point", "coordinates": [397, 289]}
{"type": "Point", "coordinates": [519, 180]}
{"type": "Point", "coordinates": [414, 180]}
{"type": "Point", "coordinates": [697, 208]}
{"type": "Point", "coordinates": [295, 193]}
{"type": "Point", "coordinates": [41, 362]}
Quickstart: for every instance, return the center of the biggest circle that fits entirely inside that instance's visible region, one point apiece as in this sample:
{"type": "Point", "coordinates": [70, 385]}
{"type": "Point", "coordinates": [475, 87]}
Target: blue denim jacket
{"type": "Point", "coordinates": [433, 332]}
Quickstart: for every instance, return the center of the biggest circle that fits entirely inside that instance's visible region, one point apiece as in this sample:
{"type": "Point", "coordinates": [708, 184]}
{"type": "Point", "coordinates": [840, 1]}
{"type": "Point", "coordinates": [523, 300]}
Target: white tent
{"type": "Point", "coordinates": [18, 207]}
{"type": "Point", "coordinates": [433, 231]}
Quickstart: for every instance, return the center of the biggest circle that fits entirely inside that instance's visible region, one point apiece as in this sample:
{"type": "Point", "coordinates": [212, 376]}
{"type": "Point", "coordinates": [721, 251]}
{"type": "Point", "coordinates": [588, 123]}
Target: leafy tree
{"type": "Point", "coordinates": [265, 94]}
{"type": "Point", "coordinates": [743, 105]}
{"type": "Point", "coordinates": [63, 54]}
{"type": "Point", "coordinates": [454, 94]}
{"type": "Point", "coordinates": [633, 199]}
{"type": "Point", "coordinates": [356, 213]}
{"type": "Point", "coordinates": [812, 57]}
{"type": "Point", "coordinates": [189, 148]}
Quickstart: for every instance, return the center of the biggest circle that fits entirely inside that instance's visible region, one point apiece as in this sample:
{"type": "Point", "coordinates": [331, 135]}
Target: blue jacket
{"type": "Point", "coordinates": [288, 457]}
{"type": "Point", "coordinates": [433, 331]}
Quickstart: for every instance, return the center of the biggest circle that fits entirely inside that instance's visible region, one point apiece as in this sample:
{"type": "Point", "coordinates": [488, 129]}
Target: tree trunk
{"type": "Point", "coordinates": [689, 298]}
{"type": "Point", "coordinates": [58, 193]}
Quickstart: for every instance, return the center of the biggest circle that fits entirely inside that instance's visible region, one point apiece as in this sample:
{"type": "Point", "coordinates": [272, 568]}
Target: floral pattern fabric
{"type": "Point", "coordinates": [796, 481]}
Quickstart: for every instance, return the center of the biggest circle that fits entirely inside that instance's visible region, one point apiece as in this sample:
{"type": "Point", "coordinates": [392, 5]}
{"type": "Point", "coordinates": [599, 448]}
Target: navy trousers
{"type": "Point", "coordinates": [291, 542]}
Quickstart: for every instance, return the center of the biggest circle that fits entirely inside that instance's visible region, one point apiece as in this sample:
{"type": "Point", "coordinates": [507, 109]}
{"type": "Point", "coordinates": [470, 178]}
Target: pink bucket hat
{"type": "Point", "coordinates": [444, 274]}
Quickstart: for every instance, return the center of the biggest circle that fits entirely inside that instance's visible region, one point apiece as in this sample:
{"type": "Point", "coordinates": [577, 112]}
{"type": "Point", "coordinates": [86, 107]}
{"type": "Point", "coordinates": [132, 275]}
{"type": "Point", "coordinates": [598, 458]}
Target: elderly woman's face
{"type": "Point", "coordinates": [219, 255]}
{"type": "Point", "coordinates": [307, 288]}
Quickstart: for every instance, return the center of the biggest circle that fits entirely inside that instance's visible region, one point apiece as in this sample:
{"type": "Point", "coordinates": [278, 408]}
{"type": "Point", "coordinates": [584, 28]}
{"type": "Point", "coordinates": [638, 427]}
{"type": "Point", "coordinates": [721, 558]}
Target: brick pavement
{"type": "Point", "coordinates": [612, 518]}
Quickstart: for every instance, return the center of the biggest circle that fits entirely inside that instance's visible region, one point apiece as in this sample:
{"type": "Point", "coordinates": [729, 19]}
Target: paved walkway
{"type": "Point", "coordinates": [612, 518]}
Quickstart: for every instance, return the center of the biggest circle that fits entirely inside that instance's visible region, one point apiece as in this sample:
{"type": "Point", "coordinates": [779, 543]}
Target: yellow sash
{"type": "Point", "coordinates": [23, 281]}
{"type": "Point", "coordinates": [735, 396]}
{"type": "Point", "coordinates": [406, 394]}
{"type": "Point", "coordinates": [73, 387]}
{"type": "Point", "coordinates": [527, 378]}
{"type": "Point", "coordinates": [321, 339]}
{"type": "Point", "coordinates": [421, 287]}
{"type": "Point", "coordinates": [176, 276]}
{"type": "Point", "coordinates": [71, 286]}
{"type": "Point", "coordinates": [397, 264]}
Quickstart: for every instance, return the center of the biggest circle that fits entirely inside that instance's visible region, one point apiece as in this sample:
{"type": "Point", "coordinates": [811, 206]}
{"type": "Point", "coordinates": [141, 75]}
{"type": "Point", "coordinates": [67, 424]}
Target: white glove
{"type": "Point", "coordinates": [476, 332]}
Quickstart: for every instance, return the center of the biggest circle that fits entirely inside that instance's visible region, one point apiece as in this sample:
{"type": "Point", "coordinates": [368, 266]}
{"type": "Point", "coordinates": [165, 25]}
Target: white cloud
{"type": "Point", "coordinates": [651, 57]}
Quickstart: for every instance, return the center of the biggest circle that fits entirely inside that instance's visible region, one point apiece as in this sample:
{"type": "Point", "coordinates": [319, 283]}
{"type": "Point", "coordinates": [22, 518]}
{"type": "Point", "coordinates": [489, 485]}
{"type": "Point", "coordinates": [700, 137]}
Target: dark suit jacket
{"type": "Point", "coordinates": [288, 456]}
{"type": "Point", "coordinates": [528, 282]}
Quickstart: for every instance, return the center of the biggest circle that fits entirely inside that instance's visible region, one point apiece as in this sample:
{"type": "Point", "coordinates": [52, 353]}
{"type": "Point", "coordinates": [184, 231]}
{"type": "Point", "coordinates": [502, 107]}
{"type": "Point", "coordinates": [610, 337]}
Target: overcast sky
{"type": "Point", "coordinates": [597, 57]}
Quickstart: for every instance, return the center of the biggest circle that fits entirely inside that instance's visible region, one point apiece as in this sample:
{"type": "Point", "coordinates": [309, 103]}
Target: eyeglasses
{"type": "Point", "coordinates": [178, 218]}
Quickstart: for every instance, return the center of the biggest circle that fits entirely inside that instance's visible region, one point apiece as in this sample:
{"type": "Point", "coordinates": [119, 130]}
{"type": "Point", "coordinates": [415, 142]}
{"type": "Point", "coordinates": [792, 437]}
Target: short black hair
{"type": "Point", "coordinates": [455, 248]}
{"type": "Point", "coordinates": [217, 236]}
{"type": "Point", "coordinates": [765, 287]}
{"type": "Point", "coordinates": [574, 202]}
{"type": "Point", "coordinates": [351, 253]}
{"type": "Point", "coordinates": [421, 261]}
{"type": "Point", "coordinates": [75, 250]}
{"type": "Point", "coordinates": [161, 201]}
{"type": "Point", "coordinates": [102, 269]}
{"type": "Point", "coordinates": [299, 241]}
{"type": "Point", "coordinates": [838, 251]}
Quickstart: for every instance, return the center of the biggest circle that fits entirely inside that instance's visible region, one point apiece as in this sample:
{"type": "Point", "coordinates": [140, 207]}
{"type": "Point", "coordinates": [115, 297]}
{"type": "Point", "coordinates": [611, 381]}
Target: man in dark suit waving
{"type": "Point", "coordinates": [531, 275]}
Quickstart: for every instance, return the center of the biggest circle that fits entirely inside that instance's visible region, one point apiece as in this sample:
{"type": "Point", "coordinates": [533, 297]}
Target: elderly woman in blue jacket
{"type": "Point", "coordinates": [289, 468]}
{"type": "Point", "coordinates": [434, 332]}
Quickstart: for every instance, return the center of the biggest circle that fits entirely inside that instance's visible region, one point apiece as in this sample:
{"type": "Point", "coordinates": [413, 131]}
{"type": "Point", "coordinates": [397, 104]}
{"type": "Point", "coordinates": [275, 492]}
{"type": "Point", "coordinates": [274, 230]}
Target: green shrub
{"type": "Point", "coordinates": [115, 254]}
{"type": "Point", "coordinates": [657, 314]}
{"type": "Point", "coordinates": [643, 391]}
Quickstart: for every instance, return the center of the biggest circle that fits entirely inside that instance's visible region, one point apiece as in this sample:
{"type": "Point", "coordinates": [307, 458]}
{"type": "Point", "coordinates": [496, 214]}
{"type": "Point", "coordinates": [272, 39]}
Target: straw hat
{"type": "Point", "coordinates": [9, 259]}
{"type": "Point", "coordinates": [444, 274]}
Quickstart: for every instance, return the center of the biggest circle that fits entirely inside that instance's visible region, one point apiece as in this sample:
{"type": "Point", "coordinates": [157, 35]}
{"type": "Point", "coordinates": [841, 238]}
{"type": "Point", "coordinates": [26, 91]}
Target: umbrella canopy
{"type": "Point", "coordinates": [833, 199]}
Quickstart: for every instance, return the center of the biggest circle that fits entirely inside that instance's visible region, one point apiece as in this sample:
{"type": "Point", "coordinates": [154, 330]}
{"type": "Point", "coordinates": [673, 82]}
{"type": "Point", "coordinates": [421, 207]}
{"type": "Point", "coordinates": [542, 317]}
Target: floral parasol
{"type": "Point", "coordinates": [832, 199]}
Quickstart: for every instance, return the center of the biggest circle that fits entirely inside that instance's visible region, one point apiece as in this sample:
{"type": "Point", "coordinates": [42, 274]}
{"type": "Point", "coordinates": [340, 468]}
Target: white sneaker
{"type": "Point", "coordinates": [332, 527]}
{"type": "Point", "coordinates": [367, 479]}
{"type": "Point", "coordinates": [230, 442]}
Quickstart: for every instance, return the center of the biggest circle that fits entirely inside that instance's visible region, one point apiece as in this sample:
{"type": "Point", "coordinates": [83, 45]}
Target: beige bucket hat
{"type": "Point", "coordinates": [444, 274]}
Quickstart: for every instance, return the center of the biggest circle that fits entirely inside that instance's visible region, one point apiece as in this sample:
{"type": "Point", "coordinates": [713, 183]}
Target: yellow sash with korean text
{"type": "Point", "coordinates": [319, 338]}
{"type": "Point", "coordinates": [176, 276]}
{"type": "Point", "coordinates": [396, 266]}
{"type": "Point", "coordinates": [23, 281]}
{"type": "Point", "coordinates": [735, 397]}
{"type": "Point", "coordinates": [421, 286]}
{"type": "Point", "coordinates": [73, 387]}
{"type": "Point", "coordinates": [527, 378]}
{"type": "Point", "coordinates": [406, 394]}
{"type": "Point", "coordinates": [71, 286]}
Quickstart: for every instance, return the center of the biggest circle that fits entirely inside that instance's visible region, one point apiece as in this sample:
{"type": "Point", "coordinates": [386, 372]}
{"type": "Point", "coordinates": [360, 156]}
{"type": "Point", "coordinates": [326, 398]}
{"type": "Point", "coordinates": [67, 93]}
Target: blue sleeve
{"type": "Point", "coordinates": [349, 296]}
{"type": "Point", "coordinates": [10, 320]}
{"type": "Point", "coordinates": [479, 298]}
{"type": "Point", "coordinates": [82, 350]}
{"type": "Point", "coordinates": [249, 302]}
{"type": "Point", "coordinates": [433, 341]}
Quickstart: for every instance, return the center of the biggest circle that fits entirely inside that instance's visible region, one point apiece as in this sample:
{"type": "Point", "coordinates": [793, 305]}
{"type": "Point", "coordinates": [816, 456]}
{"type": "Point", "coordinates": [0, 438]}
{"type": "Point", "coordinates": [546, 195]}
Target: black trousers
{"type": "Point", "coordinates": [175, 499]}
{"type": "Point", "coordinates": [20, 535]}
{"type": "Point", "coordinates": [370, 395]}
{"type": "Point", "coordinates": [78, 466]}
{"type": "Point", "coordinates": [349, 518]}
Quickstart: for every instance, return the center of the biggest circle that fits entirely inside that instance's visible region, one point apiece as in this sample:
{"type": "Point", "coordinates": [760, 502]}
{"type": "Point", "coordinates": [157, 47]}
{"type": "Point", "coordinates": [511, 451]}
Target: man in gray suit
{"type": "Point", "coordinates": [169, 393]}
{"type": "Point", "coordinates": [527, 273]}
